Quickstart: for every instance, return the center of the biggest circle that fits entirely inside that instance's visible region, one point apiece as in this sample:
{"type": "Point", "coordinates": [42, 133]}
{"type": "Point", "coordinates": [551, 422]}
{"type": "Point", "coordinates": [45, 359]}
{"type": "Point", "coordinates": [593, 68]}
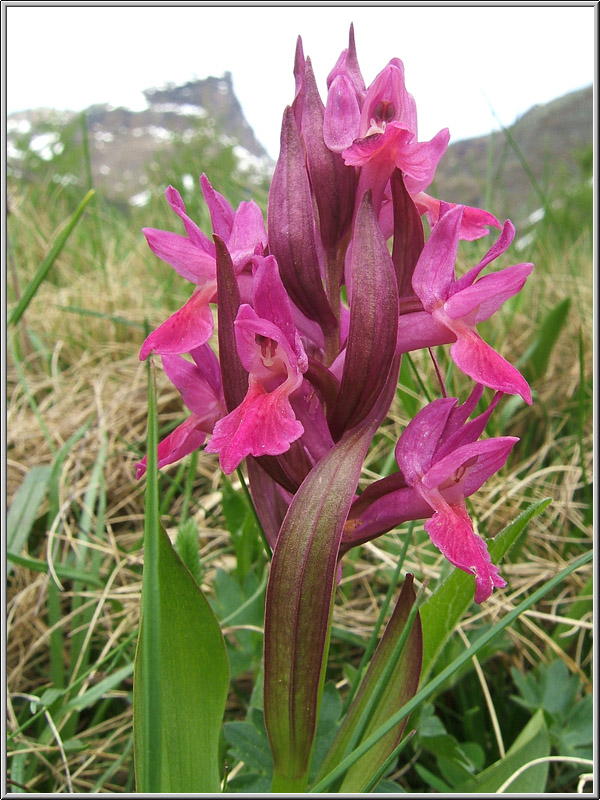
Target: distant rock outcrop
{"type": "Point", "coordinates": [214, 96]}
{"type": "Point", "coordinates": [539, 153]}
{"type": "Point", "coordinates": [123, 144]}
{"type": "Point", "coordinates": [512, 169]}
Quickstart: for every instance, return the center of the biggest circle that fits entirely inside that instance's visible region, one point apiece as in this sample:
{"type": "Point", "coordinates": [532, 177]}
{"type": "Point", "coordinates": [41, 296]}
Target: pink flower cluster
{"type": "Point", "coordinates": [315, 311]}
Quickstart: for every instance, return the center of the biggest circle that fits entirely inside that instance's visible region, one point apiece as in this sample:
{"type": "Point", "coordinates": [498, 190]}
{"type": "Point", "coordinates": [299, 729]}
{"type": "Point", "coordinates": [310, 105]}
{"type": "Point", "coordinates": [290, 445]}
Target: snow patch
{"type": "Point", "coordinates": [104, 136]}
{"type": "Point", "coordinates": [141, 199]}
{"type": "Point", "coordinates": [46, 145]}
{"type": "Point", "coordinates": [183, 109]}
{"type": "Point", "coordinates": [19, 126]}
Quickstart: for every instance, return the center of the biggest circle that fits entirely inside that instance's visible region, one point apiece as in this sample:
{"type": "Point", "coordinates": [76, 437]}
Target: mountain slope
{"type": "Point", "coordinates": [545, 147]}
{"type": "Point", "coordinates": [185, 127]}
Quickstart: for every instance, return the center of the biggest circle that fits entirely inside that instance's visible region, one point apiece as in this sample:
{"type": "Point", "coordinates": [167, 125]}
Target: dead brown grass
{"type": "Point", "coordinates": [88, 372]}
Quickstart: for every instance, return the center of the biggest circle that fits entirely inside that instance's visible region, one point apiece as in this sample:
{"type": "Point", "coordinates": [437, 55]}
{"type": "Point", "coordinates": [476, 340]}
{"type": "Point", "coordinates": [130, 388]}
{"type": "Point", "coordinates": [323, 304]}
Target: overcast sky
{"type": "Point", "coordinates": [464, 64]}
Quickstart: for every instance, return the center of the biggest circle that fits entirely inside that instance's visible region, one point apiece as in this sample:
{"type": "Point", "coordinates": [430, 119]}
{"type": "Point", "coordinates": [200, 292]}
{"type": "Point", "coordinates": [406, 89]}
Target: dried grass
{"type": "Point", "coordinates": [89, 373]}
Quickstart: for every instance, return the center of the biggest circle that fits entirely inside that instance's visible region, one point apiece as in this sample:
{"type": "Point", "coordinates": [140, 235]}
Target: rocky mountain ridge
{"type": "Point", "coordinates": [543, 149]}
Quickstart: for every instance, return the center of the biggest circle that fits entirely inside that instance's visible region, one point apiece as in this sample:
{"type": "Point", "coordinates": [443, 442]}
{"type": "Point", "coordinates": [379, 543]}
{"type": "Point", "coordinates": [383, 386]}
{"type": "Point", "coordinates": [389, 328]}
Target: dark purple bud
{"type": "Point", "coordinates": [373, 322]}
{"type": "Point", "coordinates": [292, 238]}
{"type": "Point", "coordinates": [408, 234]}
{"type": "Point", "coordinates": [235, 377]}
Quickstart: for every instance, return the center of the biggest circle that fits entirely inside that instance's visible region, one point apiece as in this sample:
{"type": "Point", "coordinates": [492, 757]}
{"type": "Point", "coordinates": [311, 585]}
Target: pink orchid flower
{"type": "Point", "coordinates": [200, 386]}
{"type": "Point", "coordinates": [193, 257]}
{"type": "Point", "coordinates": [272, 353]}
{"type": "Point", "coordinates": [444, 466]}
{"type": "Point", "coordinates": [376, 129]}
{"type": "Point", "coordinates": [381, 134]}
{"type": "Point", "coordinates": [453, 307]}
{"type": "Point", "coordinates": [475, 222]}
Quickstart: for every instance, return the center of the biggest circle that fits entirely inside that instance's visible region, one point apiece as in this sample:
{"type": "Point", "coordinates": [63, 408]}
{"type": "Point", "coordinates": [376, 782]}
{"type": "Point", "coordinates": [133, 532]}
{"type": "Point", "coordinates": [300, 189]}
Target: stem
{"type": "Point", "coordinates": [283, 784]}
{"type": "Point", "coordinates": [250, 502]}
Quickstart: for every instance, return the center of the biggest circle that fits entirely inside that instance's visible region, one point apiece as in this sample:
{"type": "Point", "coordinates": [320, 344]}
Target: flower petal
{"type": "Point", "coordinates": [476, 461]}
{"type": "Point", "coordinates": [186, 438]}
{"type": "Point", "coordinates": [186, 329]}
{"type": "Point", "coordinates": [482, 363]}
{"type": "Point", "coordinates": [247, 235]}
{"type": "Point", "coordinates": [419, 441]}
{"type": "Point", "coordinates": [221, 213]}
{"type": "Point", "coordinates": [433, 278]}
{"type": "Point", "coordinates": [451, 531]}
{"type": "Point", "coordinates": [197, 393]}
{"type": "Point", "coordinates": [496, 250]}
{"type": "Point", "coordinates": [483, 298]}
{"type": "Point", "coordinates": [476, 222]}
{"type": "Point", "coordinates": [190, 261]}
{"type": "Point", "coordinates": [342, 115]}
{"type": "Point", "coordinates": [195, 234]}
{"type": "Point", "coordinates": [264, 424]}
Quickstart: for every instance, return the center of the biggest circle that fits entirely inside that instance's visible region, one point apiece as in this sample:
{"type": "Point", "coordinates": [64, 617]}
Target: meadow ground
{"type": "Point", "coordinates": [76, 425]}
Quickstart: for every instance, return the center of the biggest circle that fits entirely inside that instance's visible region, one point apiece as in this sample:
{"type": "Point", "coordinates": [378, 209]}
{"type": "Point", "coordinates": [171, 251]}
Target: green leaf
{"type": "Point", "coordinates": [24, 510]}
{"type": "Point", "coordinates": [250, 746]}
{"type": "Point", "coordinates": [241, 604]}
{"type": "Point", "coordinates": [534, 362]}
{"type": "Point", "coordinates": [44, 267]}
{"type": "Point", "coordinates": [388, 787]}
{"type": "Point", "coordinates": [443, 610]}
{"type": "Point", "coordinates": [181, 674]}
{"type": "Point", "coordinates": [432, 780]}
{"type": "Point", "coordinates": [192, 688]}
{"type": "Point", "coordinates": [248, 783]}
{"type": "Point", "coordinates": [532, 743]}
{"type": "Point", "coordinates": [578, 730]}
{"type": "Point", "coordinates": [98, 690]}
{"type": "Point", "coordinates": [391, 680]}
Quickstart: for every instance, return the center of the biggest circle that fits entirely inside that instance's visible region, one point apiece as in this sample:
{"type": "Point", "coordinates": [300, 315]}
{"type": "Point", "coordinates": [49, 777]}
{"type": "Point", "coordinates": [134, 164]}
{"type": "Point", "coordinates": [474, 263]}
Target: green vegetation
{"type": "Point", "coordinates": [77, 415]}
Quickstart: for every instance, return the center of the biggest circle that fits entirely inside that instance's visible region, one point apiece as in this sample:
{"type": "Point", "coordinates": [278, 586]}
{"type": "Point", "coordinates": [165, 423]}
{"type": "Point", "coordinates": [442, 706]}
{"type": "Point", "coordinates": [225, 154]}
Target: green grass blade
{"type": "Point", "coordinates": [30, 398]}
{"type": "Point", "coordinates": [24, 509]}
{"type": "Point", "coordinates": [63, 572]}
{"type": "Point", "coordinates": [433, 685]}
{"type": "Point", "coordinates": [535, 360]}
{"type": "Point", "coordinates": [582, 606]}
{"type": "Point", "coordinates": [54, 694]}
{"type": "Point", "coordinates": [98, 690]}
{"type": "Point", "coordinates": [44, 267]}
{"type": "Point", "coordinates": [86, 312]}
